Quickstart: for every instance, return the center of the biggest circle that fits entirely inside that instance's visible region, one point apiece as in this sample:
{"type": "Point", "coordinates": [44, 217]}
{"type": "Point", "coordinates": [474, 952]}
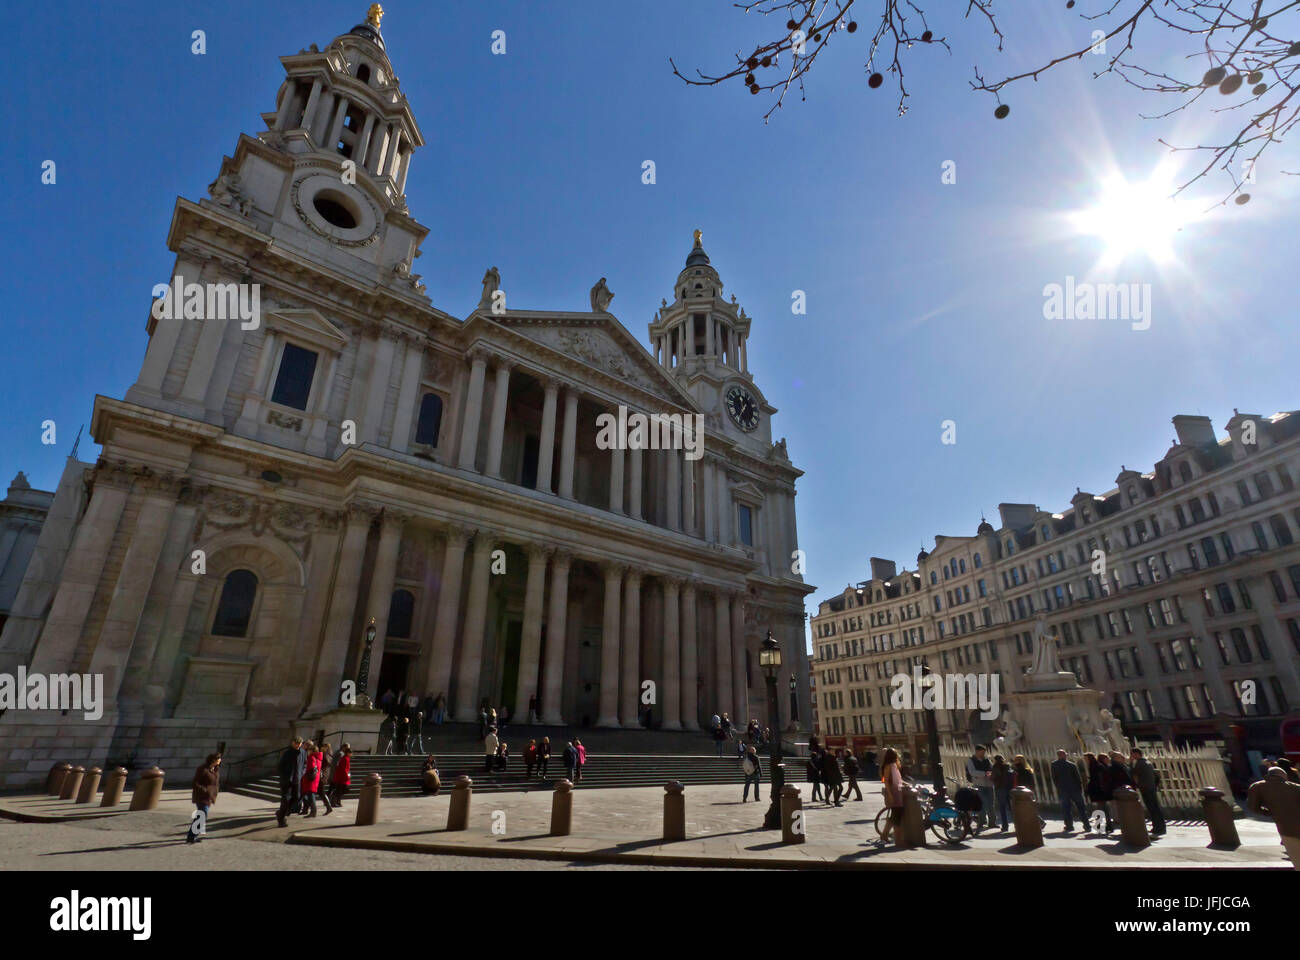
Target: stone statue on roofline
{"type": "Point", "coordinates": [601, 297]}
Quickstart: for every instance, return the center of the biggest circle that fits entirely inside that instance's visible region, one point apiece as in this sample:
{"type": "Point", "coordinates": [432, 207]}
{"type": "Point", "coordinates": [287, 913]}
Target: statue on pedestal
{"type": "Point", "coordinates": [601, 297]}
{"type": "Point", "coordinates": [491, 284]}
{"type": "Point", "coordinates": [1113, 733]}
{"type": "Point", "coordinates": [1086, 733]}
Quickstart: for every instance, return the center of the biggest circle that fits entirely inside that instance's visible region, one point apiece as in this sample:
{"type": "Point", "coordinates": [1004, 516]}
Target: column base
{"type": "Point", "coordinates": [609, 722]}
{"type": "Point", "coordinates": [552, 720]}
{"type": "Point", "coordinates": [671, 725]}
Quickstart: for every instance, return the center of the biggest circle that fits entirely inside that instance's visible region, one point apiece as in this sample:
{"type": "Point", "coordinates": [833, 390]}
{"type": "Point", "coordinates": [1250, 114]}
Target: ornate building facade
{"type": "Point", "coordinates": [268, 487]}
{"type": "Point", "coordinates": [1177, 593]}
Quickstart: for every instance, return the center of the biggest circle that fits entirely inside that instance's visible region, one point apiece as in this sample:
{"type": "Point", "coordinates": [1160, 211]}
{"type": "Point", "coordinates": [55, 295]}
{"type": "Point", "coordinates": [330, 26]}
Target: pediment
{"type": "Point", "coordinates": [307, 325]}
{"type": "Point", "coordinates": [601, 342]}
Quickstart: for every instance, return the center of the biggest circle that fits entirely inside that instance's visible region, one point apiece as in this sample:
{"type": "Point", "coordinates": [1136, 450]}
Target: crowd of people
{"type": "Point", "coordinates": [724, 732]}
{"type": "Point", "coordinates": [309, 772]}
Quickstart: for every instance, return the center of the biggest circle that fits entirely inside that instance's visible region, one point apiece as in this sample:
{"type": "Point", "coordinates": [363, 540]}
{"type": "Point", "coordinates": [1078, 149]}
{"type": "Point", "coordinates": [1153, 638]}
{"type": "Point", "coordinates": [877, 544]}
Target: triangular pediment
{"type": "Point", "coordinates": [599, 341]}
{"type": "Point", "coordinates": [307, 325]}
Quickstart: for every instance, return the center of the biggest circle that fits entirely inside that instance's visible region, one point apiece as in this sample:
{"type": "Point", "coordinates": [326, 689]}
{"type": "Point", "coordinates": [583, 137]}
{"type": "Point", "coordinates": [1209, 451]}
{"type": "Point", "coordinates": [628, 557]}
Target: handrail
{"type": "Point", "coordinates": [235, 772]}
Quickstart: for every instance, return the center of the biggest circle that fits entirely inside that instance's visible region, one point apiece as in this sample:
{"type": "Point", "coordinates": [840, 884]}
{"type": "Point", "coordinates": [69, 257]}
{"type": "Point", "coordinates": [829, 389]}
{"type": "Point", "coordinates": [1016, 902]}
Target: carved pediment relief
{"type": "Point", "coordinates": [307, 325]}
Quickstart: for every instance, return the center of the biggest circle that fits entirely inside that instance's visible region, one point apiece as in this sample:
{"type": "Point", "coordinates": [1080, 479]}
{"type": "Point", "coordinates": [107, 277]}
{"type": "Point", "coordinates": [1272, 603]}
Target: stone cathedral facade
{"type": "Point", "coordinates": [358, 453]}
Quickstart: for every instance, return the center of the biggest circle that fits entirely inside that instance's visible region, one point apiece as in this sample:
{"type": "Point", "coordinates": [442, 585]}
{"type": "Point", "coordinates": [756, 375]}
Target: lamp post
{"type": "Point", "coordinates": [769, 660]}
{"type": "Point", "coordinates": [363, 674]}
{"type": "Point", "coordinates": [932, 734]}
{"type": "Point", "coordinates": [794, 703]}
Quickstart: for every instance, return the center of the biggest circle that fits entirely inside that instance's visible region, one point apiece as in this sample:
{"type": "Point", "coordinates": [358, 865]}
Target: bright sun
{"type": "Point", "coordinates": [1133, 219]}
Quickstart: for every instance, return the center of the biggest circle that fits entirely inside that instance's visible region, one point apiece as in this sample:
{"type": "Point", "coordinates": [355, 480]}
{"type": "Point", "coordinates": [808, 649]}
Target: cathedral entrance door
{"type": "Point", "coordinates": [393, 671]}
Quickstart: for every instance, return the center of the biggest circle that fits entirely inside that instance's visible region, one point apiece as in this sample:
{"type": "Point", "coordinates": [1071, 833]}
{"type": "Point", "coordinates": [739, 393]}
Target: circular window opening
{"type": "Point", "coordinates": [333, 209]}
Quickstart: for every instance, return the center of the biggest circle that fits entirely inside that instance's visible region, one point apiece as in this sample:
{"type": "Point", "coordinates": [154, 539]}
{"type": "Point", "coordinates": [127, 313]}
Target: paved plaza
{"type": "Point", "coordinates": [614, 827]}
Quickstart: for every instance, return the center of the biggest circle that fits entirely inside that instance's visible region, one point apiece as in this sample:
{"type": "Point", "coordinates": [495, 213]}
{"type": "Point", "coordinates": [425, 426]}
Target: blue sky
{"type": "Point", "coordinates": [924, 299]}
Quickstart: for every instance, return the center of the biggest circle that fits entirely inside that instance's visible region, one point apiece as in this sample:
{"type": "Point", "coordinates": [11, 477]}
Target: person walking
{"type": "Point", "coordinates": [815, 774]}
{"type": "Point", "coordinates": [719, 737]}
{"type": "Point", "coordinates": [1003, 780]}
{"type": "Point", "coordinates": [543, 756]}
{"type": "Point", "coordinates": [753, 769]}
{"type": "Point", "coordinates": [851, 768]}
{"type": "Point", "coordinates": [892, 779]}
{"type": "Point", "coordinates": [1278, 798]}
{"type": "Point", "coordinates": [490, 743]}
{"type": "Point", "coordinates": [832, 778]}
{"type": "Point", "coordinates": [726, 726]}
{"type": "Point", "coordinates": [530, 758]}
{"type": "Point", "coordinates": [582, 758]}
{"type": "Point", "coordinates": [1147, 780]}
{"type": "Point", "coordinates": [1069, 787]}
{"type": "Point", "coordinates": [979, 772]}
{"type": "Point", "coordinates": [204, 794]}
{"type": "Point", "coordinates": [290, 769]}
{"type": "Point", "coordinates": [341, 779]}
{"type": "Point", "coordinates": [1099, 788]}
{"type": "Point", "coordinates": [310, 779]}
{"type": "Point", "coordinates": [326, 765]}
{"type": "Point", "coordinates": [570, 761]}
{"type": "Point", "coordinates": [415, 739]}
{"type": "Point", "coordinates": [502, 759]}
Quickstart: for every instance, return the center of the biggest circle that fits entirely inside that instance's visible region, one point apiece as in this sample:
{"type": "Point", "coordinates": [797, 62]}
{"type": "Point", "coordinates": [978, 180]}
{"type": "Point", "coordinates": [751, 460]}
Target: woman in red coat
{"type": "Point", "coordinates": [342, 778]}
{"type": "Point", "coordinates": [311, 777]}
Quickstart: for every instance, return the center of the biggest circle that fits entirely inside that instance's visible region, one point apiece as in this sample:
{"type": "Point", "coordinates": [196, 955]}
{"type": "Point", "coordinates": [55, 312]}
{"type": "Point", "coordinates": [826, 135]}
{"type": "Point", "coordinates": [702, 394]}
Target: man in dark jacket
{"type": "Point", "coordinates": [851, 768]}
{"type": "Point", "coordinates": [205, 787]}
{"type": "Point", "coordinates": [1147, 780]}
{"type": "Point", "coordinates": [1069, 787]}
{"type": "Point", "coordinates": [815, 773]}
{"type": "Point", "coordinates": [753, 769]}
{"type": "Point", "coordinates": [831, 778]}
{"type": "Point", "coordinates": [290, 769]}
{"type": "Point", "coordinates": [1119, 773]}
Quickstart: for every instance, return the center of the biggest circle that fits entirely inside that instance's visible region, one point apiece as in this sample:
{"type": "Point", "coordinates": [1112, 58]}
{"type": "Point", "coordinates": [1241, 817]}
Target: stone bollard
{"type": "Point", "coordinates": [72, 783]}
{"type": "Point", "coordinates": [675, 812]}
{"type": "Point", "coordinates": [562, 809]}
{"type": "Point", "coordinates": [113, 787]}
{"type": "Point", "coordinates": [54, 782]}
{"type": "Point", "coordinates": [461, 792]}
{"type": "Point", "coordinates": [89, 786]}
{"type": "Point", "coordinates": [368, 801]}
{"type": "Point", "coordinates": [792, 803]}
{"type": "Point", "coordinates": [1132, 818]}
{"type": "Point", "coordinates": [909, 832]}
{"type": "Point", "coordinates": [1024, 811]}
{"type": "Point", "coordinates": [148, 790]}
{"type": "Point", "coordinates": [1218, 816]}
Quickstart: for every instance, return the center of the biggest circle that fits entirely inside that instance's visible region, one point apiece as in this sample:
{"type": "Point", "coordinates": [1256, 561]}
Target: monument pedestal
{"type": "Point", "coordinates": [357, 726]}
{"type": "Point", "coordinates": [1045, 715]}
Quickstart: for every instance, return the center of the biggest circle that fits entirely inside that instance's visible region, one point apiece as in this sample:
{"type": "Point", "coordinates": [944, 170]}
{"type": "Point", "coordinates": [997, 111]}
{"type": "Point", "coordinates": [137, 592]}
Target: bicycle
{"type": "Point", "coordinates": [944, 820]}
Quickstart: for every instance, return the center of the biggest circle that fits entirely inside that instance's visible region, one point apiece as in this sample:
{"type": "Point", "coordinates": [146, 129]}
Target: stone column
{"type": "Point", "coordinates": [710, 487]}
{"type": "Point", "coordinates": [568, 442]}
{"type": "Point", "coordinates": [724, 505]}
{"type": "Point", "coordinates": [673, 461]}
{"type": "Point", "coordinates": [444, 630]}
{"type": "Point", "coordinates": [631, 662]}
{"type": "Point", "coordinates": [497, 434]}
{"type": "Point", "coordinates": [708, 336]}
{"type": "Point", "coordinates": [471, 650]}
{"type": "Point", "coordinates": [634, 483]}
{"type": "Point", "coordinates": [556, 632]}
{"type": "Point", "coordinates": [688, 495]}
{"type": "Point", "coordinates": [688, 330]}
{"type": "Point", "coordinates": [473, 411]}
{"type": "Point", "coordinates": [382, 575]}
{"type": "Point", "coordinates": [546, 445]}
{"type": "Point", "coordinates": [408, 395]}
{"type": "Point", "coordinates": [690, 660]}
{"type": "Point", "coordinates": [336, 128]}
{"type": "Point", "coordinates": [321, 120]}
{"type": "Point", "coordinates": [122, 620]}
{"type": "Point", "coordinates": [530, 646]}
{"type": "Point", "coordinates": [79, 581]}
{"type": "Point", "coordinates": [391, 159]}
{"type": "Point", "coordinates": [343, 604]}
{"type": "Point", "coordinates": [672, 692]}
{"type": "Point", "coordinates": [361, 153]}
{"type": "Point", "coordinates": [609, 638]}
{"type": "Point", "coordinates": [722, 653]}
{"type": "Point", "coordinates": [378, 144]}
{"type": "Point", "coordinates": [741, 694]}
{"type": "Point", "coordinates": [377, 389]}
{"type": "Point", "coordinates": [309, 111]}
{"type": "Point", "coordinates": [616, 460]}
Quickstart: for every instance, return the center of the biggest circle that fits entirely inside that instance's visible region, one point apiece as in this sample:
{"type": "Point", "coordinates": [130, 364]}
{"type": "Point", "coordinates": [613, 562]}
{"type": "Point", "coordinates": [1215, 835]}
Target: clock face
{"type": "Point", "coordinates": [743, 408]}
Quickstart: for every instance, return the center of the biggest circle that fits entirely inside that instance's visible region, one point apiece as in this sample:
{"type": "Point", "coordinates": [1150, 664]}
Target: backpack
{"type": "Point", "coordinates": [750, 766]}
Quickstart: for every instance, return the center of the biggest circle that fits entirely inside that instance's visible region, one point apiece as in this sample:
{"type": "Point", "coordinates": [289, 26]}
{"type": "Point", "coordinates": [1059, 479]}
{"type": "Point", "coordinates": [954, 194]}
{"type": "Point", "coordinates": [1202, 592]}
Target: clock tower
{"type": "Point", "coordinates": [701, 339]}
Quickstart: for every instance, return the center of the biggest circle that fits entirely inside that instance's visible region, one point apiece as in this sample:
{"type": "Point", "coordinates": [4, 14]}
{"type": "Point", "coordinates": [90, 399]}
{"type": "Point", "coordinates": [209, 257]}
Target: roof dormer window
{"type": "Point", "coordinates": [363, 72]}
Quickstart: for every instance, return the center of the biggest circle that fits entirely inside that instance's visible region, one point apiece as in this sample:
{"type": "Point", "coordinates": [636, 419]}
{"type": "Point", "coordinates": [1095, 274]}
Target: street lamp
{"type": "Point", "coordinates": [363, 674]}
{"type": "Point", "coordinates": [932, 734]}
{"type": "Point", "coordinates": [769, 661]}
{"type": "Point", "coordinates": [794, 703]}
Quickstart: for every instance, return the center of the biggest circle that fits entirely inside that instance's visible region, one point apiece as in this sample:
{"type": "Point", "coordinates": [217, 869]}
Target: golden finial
{"type": "Point", "coordinates": [698, 234]}
{"type": "Point", "coordinates": [374, 15]}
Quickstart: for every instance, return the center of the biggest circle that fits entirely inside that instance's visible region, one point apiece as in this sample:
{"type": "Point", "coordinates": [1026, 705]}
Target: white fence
{"type": "Point", "coordinates": [1183, 772]}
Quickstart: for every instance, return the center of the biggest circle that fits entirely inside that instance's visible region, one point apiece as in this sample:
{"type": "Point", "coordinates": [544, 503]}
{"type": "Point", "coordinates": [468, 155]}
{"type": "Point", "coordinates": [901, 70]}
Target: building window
{"type": "Point", "coordinates": [1294, 572]}
{"type": "Point", "coordinates": [1261, 645]}
{"type": "Point", "coordinates": [1261, 540]}
{"type": "Point", "coordinates": [1214, 504]}
{"type": "Point", "coordinates": [746, 525]}
{"type": "Point", "coordinates": [1160, 656]}
{"type": "Point", "coordinates": [1243, 491]}
{"type": "Point", "coordinates": [1223, 648]}
{"type": "Point", "coordinates": [1279, 696]}
{"type": "Point", "coordinates": [430, 422]}
{"type": "Point", "coordinates": [1134, 709]}
{"type": "Point", "coordinates": [1279, 591]}
{"type": "Point", "coordinates": [1226, 603]}
{"type": "Point", "coordinates": [1239, 644]}
{"type": "Point", "coordinates": [235, 608]}
{"type": "Point", "coordinates": [293, 382]}
{"type": "Point", "coordinates": [978, 562]}
{"type": "Point", "coordinates": [1281, 531]}
{"type": "Point", "coordinates": [1228, 551]}
{"type": "Point", "coordinates": [1185, 471]}
{"type": "Point", "coordinates": [1198, 512]}
{"type": "Point", "coordinates": [1166, 613]}
{"type": "Point", "coordinates": [1245, 595]}
{"type": "Point", "coordinates": [1211, 552]}
{"type": "Point", "coordinates": [1176, 652]}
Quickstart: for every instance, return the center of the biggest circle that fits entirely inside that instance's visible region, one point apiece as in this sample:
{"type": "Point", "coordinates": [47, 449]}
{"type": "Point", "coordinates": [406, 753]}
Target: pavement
{"type": "Point", "coordinates": [610, 827]}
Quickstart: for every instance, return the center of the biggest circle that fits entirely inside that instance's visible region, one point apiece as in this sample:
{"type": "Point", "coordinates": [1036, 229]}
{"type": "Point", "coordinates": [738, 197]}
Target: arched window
{"type": "Point", "coordinates": [363, 73]}
{"type": "Point", "coordinates": [235, 608]}
{"type": "Point", "coordinates": [426, 429]}
{"type": "Point", "coordinates": [933, 578]}
{"type": "Point", "coordinates": [1046, 531]}
{"type": "Point", "coordinates": [1185, 471]}
{"type": "Point", "coordinates": [978, 562]}
{"type": "Point", "coordinates": [961, 563]}
{"type": "Point", "coordinates": [401, 609]}
{"type": "Point", "coordinates": [1132, 494]}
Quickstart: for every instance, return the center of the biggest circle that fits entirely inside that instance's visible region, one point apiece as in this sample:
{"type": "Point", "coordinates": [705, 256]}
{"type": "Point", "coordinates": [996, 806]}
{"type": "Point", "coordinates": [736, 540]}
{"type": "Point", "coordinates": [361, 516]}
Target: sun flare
{"type": "Point", "coordinates": [1134, 219]}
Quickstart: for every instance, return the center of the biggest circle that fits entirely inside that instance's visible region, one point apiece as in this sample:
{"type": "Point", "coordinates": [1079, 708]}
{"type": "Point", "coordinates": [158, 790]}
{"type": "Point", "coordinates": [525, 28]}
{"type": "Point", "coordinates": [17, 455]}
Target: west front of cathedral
{"type": "Point", "coordinates": [277, 479]}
